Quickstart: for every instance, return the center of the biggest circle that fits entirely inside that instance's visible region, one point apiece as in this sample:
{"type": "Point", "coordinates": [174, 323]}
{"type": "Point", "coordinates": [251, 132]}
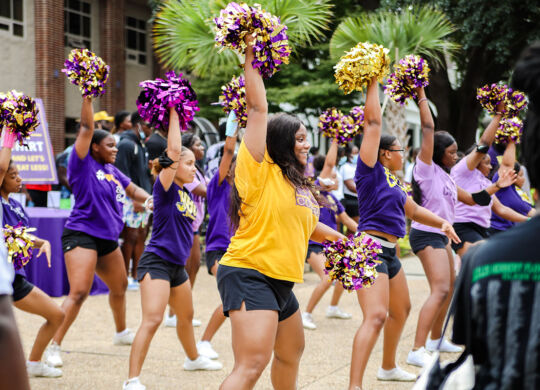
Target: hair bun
{"type": "Point", "coordinates": [527, 74]}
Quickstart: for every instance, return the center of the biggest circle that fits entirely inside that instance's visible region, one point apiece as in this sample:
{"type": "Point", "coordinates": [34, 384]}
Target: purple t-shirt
{"type": "Point", "coordinates": [471, 181]}
{"type": "Point", "coordinates": [218, 232]}
{"type": "Point", "coordinates": [199, 200]}
{"type": "Point", "coordinates": [509, 197]}
{"type": "Point", "coordinates": [13, 213]}
{"type": "Point", "coordinates": [99, 191]}
{"type": "Point", "coordinates": [172, 231]}
{"type": "Point", "coordinates": [439, 193]}
{"type": "Point", "coordinates": [381, 200]}
{"type": "Point", "coordinates": [329, 213]}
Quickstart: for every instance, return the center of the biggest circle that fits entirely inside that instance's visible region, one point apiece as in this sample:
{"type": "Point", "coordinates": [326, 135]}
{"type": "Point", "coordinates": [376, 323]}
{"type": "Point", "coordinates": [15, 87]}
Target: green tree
{"type": "Point", "coordinates": [491, 35]}
{"type": "Point", "coordinates": [423, 31]}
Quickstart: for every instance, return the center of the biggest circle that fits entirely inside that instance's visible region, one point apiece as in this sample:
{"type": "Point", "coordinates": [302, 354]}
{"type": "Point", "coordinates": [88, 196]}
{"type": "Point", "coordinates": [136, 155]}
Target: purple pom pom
{"type": "Point", "coordinates": [233, 98]}
{"type": "Point", "coordinates": [88, 71]}
{"type": "Point", "coordinates": [19, 113]}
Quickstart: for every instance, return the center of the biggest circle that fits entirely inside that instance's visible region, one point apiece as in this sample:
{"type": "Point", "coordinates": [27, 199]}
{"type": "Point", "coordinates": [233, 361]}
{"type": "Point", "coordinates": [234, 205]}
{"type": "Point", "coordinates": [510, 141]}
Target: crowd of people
{"type": "Point", "coordinates": [149, 203]}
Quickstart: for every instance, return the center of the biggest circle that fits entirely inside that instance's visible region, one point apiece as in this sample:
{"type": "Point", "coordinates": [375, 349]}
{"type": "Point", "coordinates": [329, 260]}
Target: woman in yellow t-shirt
{"type": "Point", "coordinates": [276, 212]}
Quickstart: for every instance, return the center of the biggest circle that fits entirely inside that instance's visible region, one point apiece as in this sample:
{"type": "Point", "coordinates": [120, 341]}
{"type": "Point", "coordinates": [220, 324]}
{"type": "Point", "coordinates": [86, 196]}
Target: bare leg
{"type": "Point", "coordinates": [336, 295]}
{"type": "Point", "coordinates": [182, 303]}
{"type": "Point", "coordinates": [214, 324]}
{"type": "Point", "coordinates": [80, 267]}
{"type": "Point", "coordinates": [316, 261]}
{"type": "Point", "coordinates": [142, 233]}
{"type": "Point", "coordinates": [12, 366]}
{"type": "Point", "coordinates": [154, 298]}
{"type": "Point", "coordinates": [253, 337]}
{"type": "Point", "coordinates": [288, 350]}
{"type": "Point", "coordinates": [129, 236]}
{"type": "Point", "coordinates": [436, 329]}
{"type": "Point", "coordinates": [374, 302]}
{"type": "Point", "coordinates": [37, 302]}
{"type": "Point", "coordinates": [110, 270]}
{"type": "Point", "coordinates": [194, 260]}
{"type": "Point", "coordinates": [437, 268]}
{"type": "Point", "coordinates": [398, 311]}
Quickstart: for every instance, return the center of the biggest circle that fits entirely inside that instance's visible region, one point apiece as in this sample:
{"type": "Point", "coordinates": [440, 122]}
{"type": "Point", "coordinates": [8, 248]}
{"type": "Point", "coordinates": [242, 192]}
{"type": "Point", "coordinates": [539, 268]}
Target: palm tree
{"type": "Point", "coordinates": [184, 36]}
{"type": "Point", "coordinates": [416, 30]}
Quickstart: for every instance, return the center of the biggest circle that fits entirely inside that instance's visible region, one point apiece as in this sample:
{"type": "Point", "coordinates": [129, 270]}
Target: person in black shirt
{"type": "Point", "coordinates": [133, 162]}
{"type": "Point", "coordinates": [497, 300]}
{"type": "Point", "coordinates": [156, 144]}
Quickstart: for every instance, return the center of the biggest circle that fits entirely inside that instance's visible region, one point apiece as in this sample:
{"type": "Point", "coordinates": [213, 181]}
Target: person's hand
{"type": "Point", "coordinates": [46, 248]}
{"type": "Point", "coordinates": [138, 207]}
{"type": "Point", "coordinates": [149, 204]}
{"type": "Point", "coordinates": [501, 107]}
{"type": "Point", "coordinates": [249, 39]}
{"type": "Point", "coordinates": [447, 229]}
{"type": "Point", "coordinates": [506, 178]}
{"type": "Point", "coordinates": [232, 125]}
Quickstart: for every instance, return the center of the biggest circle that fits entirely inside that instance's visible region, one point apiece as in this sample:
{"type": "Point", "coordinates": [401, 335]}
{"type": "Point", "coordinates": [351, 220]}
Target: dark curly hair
{"type": "Point", "coordinates": [280, 141]}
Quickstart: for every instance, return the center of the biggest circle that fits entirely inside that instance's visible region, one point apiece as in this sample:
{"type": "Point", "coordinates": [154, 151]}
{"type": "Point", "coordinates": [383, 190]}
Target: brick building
{"type": "Point", "coordinates": [37, 35]}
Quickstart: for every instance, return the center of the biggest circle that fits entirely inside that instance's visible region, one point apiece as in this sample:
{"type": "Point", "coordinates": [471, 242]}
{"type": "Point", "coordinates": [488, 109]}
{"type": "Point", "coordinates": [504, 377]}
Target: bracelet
{"type": "Point", "coordinates": [421, 100]}
{"type": "Point", "coordinates": [145, 204]}
{"type": "Point", "coordinates": [497, 185]}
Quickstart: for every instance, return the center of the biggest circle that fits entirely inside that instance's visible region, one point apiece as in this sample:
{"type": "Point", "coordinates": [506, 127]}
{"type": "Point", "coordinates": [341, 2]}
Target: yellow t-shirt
{"type": "Point", "coordinates": [277, 220]}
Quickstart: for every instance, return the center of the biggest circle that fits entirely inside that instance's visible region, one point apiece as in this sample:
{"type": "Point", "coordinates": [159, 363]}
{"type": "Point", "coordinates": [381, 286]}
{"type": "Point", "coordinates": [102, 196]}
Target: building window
{"type": "Point", "coordinates": [11, 17]}
{"type": "Point", "coordinates": [135, 40]}
{"type": "Point", "coordinates": [77, 29]}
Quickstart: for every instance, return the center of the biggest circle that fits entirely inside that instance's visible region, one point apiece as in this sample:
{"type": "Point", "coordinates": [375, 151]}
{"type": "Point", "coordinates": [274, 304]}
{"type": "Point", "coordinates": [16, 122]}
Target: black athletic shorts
{"type": "Point", "coordinates": [314, 248]}
{"type": "Point", "coordinates": [390, 262]}
{"type": "Point", "coordinates": [350, 203]}
{"type": "Point", "coordinates": [257, 291]}
{"type": "Point", "coordinates": [468, 232]}
{"type": "Point", "coordinates": [73, 238]}
{"type": "Point", "coordinates": [420, 239]}
{"type": "Point", "coordinates": [159, 268]}
{"type": "Point", "coordinates": [212, 257]}
{"type": "Point", "coordinates": [21, 287]}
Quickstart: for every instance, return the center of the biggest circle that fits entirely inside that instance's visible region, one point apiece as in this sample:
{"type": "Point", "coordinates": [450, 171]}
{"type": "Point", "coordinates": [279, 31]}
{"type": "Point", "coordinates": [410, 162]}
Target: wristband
{"type": "Point", "coordinates": [482, 149]}
{"type": "Point", "coordinates": [232, 124]}
{"type": "Point", "coordinates": [8, 138]}
{"type": "Point", "coordinates": [481, 198]}
{"type": "Point", "coordinates": [145, 204]}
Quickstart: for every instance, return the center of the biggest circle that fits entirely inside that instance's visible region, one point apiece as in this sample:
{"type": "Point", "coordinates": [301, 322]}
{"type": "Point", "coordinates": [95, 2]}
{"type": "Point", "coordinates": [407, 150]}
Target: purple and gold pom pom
{"type": "Point", "coordinates": [509, 129]}
{"type": "Point", "coordinates": [159, 95]}
{"type": "Point", "coordinates": [356, 67]}
{"type": "Point", "coordinates": [271, 47]}
{"type": "Point", "coordinates": [20, 244]}
{"type": "Point", "coordinates": [233, 98]}
{"type": "Point", "coordinates": [88, 71]}
{"type": "Point", "coordinates": [334, 124]}
{"type": "Point", "coordinates": [357, 114]}
{"type": "Point", "coordinates": [352, 261]}
{"type": "Point", "coordinates": [411, 72]}
{"type": "Point", "coordinates": [330, 122]}
{"type": "Point", "coordinates": [19, 113]}
{"type": "Point", "coordinates": [490, 96]}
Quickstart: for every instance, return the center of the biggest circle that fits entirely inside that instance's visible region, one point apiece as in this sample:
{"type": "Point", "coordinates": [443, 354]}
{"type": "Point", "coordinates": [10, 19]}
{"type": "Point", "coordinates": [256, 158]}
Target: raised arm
{"type": "Point", "coordinates": [369, 150]}
{"type": "Point", "coordinates": [428, 128]}
{"type": "Point", "coordinates": [475, 157]}
{"type": "Point", "coordinates": [228, 148]}
{"type": "Point", "coordinates": [509, 156]}
{"type": "Point", "coordinates": [174, 150]}
{"type": "Point", "coordinates": [84, 139]}
{"type": "Point", "coordinates": [8, 141]}
{"type": "Point", "coordinates": [256, 106]}
{"type": "Point", "coordinates": [330, 160]}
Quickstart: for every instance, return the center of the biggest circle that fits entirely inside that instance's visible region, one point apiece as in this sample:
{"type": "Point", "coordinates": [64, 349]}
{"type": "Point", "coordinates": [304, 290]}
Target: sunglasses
{"type": "Point", "coordinates": [395, 150]}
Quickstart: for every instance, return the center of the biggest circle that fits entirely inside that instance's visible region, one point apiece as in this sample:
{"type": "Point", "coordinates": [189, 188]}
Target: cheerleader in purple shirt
{"type": "Point", "coordinates": [383, 205]}
{"type": "Point", "coordinates": [90, 237]}
{"type": "Point", "coordinates": [161, 270]}
{"type": "Point", "coordinates": [26, 296]}
{"type": "Point", "coordinates": [434, 189]}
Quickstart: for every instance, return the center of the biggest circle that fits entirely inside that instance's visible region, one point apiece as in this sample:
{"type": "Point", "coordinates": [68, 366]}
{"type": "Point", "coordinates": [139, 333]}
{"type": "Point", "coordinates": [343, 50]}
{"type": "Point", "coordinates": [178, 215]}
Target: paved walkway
{"type": "Point", "coordinates": [91, 361]}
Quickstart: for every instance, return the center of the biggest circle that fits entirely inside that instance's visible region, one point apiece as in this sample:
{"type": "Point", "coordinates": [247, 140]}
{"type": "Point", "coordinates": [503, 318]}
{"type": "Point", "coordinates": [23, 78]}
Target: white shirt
{"type": "Point", "coordinates": [339, 192]}
{"type": "Point", "coordinates": [348, 170]}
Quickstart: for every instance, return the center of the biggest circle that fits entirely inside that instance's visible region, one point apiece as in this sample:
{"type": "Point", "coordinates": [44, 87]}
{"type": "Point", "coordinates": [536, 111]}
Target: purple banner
{"type": "Point", "coordinates": [35, 162]}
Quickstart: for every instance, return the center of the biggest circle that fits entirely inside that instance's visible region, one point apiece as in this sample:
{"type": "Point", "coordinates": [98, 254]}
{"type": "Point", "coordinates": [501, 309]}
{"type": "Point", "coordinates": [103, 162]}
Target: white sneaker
{"type": "Point", "coordinates": [202, 363]}
{"type": "Point", "coordinates": [170, 321]}
{"type": "Point", "coordinates": [196, 323]}
{"type": "Point", "coordinates": [418, 358]}
{"type": "Point", "coordinates": [205, 349]}
{"type": "Point", "coordinates": [52, 355]}
{"type": "Point", "coordinates": [395, 374]}
{"type": "Point", "coordinates": [336, 312]}
{"type": "Point", "coordinates": [40, 369]}
{"type": "Point", "coordinates": [133, 285]}
{"type": "Point", "coordinates": [124, 338]}
{"type": "Point", "coordinates": [133, 384]}
{"type": "Point", "coordinates": [446, 346]}
{"type": "Point", "coordinates": [307, 321]}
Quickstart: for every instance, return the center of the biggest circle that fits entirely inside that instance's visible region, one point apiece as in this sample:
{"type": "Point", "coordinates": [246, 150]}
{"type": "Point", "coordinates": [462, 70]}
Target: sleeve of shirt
{"type": "Point", "coordinates": [76, 164]}
{"type": "Point", "coordinates": [422, 171]}
{"type": "Point", "coordinates": [361, 169]}
{"type": "Point", "coordinates": [191, 186]}
{"type": "Point", "coordinates": [250, 175]}
{"type": "Point", "coordinates": [124, 157]}
{"type": "Point", "coordinates": [123, 179]}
